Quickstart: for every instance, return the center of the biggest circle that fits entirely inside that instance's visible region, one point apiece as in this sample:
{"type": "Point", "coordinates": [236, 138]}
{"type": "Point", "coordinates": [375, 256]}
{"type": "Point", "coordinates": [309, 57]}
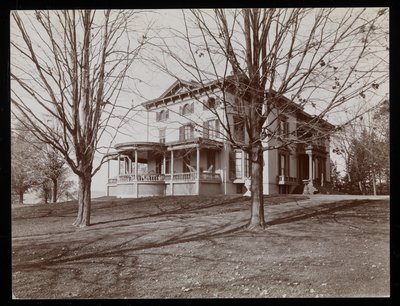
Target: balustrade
{"type": "Point", "coordinates": [284, 180]}
{"type": "Point", "coordinates": [184, 176]}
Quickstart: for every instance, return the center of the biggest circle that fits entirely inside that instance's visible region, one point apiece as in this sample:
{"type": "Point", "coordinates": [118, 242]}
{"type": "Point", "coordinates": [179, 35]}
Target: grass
{"type": "Point", "coordinates": [197, 246]}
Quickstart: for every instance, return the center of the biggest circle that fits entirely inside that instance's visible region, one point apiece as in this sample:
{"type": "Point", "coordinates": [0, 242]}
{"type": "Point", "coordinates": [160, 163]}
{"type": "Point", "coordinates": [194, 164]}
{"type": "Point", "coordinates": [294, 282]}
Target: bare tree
{"type": "Point", "coordinates": [67, 74]}
{"type": "Point", "coordinates": [321, 59]}
{"type": "Point", "coordinates": [53, 170]}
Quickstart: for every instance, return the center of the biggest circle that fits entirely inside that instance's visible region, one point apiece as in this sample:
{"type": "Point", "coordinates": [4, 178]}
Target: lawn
{"type": "Point", "coordinates": [198, 247]}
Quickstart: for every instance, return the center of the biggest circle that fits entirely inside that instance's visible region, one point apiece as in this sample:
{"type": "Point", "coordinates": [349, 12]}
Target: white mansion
{"type": "Point", "coordinates": [187, 152]}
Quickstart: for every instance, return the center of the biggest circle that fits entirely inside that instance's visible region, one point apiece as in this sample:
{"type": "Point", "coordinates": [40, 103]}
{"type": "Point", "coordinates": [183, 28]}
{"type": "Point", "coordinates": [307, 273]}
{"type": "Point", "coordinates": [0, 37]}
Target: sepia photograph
{"type": "Point", "coordinates": [200, 153]}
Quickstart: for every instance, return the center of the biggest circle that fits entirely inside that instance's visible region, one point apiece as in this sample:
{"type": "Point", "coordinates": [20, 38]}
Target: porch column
{"type": "Point", "coordinates": [164, 164]}
{"type": "Point", "coordinates": [310, 165]}
{"type": "Point", "coordinates": [129, 164]}
{"type": "Point", "coordinates": [119, 164]}
{"type": "Point", "coordinates": [197, 169]}
{"type": "Point", "coordinates": [136, 165]}
{"type": "Point", "coordinates": [108, 176]}
{"type": "Point", "coordinates": [108, 169]}
{"type": "Point", "coordinates": [171, 184]}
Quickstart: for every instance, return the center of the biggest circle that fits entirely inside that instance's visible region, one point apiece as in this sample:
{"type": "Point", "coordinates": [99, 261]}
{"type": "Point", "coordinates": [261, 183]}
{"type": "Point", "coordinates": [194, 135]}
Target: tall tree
{"type": "Point", "coordinates": [67, 72]}
{"type": "Point", "coordinates": [321, 59]}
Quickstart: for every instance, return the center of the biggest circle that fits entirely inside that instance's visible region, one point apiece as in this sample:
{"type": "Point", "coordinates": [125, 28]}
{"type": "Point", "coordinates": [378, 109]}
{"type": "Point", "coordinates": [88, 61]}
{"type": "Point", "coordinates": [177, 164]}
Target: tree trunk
{"type": "Point", "coordinates": [21, 197]}
{"type": "Point", "coordinates": [257, 220]}
{"type": "Point", "coordinates": [374, 183]}
{"type": "Point", "coordinates": [55, 190]}
{"type": "Point", "coordinates": [83, 218]}
{"type": "Point", "coordinates": [360, 186]}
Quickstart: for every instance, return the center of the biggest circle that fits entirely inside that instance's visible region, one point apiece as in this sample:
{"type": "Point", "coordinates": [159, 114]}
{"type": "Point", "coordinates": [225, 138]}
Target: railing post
{"type": "Point", "coordinates": [136, 165]}
{"type": "Point", "coordinates": [198, 169]}
{"type": "Point", "coordinates": [172, 173]}
{"type": "Point", "coordinates": [119, 165]}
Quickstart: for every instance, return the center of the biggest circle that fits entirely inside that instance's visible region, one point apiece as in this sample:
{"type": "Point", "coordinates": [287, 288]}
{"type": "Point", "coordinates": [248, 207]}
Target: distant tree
{"type": "Point", "coordinates": [364, 146]}
{"type": "Point", "coordinates": [54, 173]}
{"type": "Point", "coordinates": [23, 166]}
{"type": "Point", "coordinates": [69, 67]}
{"type": "Point", "coordinates": [336, 179]}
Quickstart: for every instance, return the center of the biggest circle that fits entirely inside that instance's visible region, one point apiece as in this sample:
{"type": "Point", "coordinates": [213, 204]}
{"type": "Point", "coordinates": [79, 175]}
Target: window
{"type": "Point", "coordinates": [211, 161]}
{"type": "Point", "coordinates": [242, 165]}
{"type": "Point", "coordinates": [162, 115]}
{"type": "Point", "coordinates": [210, 103]}
{"type": "Point", "coordinates": [238, 164]}
{"type": "Point", "coordinates": [238, 129]}
{"type": "Point", "coordinates": [211, 129]}
{"type": "Point", "coordinates": [160, 169]}
{"type": "Point", "coordinates": [161, 133]}
{"type": "Point", "coordinates": [187, 109]}
{"type": "Point", "coordinates": [283, 128]}
{"type": "Point", "coordinates": [186, 132]}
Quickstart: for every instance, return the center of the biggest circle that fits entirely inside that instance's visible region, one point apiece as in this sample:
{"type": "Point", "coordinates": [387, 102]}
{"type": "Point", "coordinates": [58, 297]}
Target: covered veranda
{"type": "Point", "coordinates": [155, 169]}
{"type": "Point", "coordinates": [137, 173]}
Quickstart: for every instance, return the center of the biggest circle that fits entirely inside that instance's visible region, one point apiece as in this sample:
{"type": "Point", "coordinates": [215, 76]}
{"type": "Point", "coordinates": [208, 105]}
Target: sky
{"type": "Point", "coordinates": [148, 81]}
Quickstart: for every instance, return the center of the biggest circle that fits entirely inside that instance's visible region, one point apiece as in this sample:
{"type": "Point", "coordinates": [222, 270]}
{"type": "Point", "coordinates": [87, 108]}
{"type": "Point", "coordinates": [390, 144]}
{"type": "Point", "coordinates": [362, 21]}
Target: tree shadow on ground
{"type": "Point", "coordinates": [180, 210]}
{"type": "Point", "coordinates": [309, 212]}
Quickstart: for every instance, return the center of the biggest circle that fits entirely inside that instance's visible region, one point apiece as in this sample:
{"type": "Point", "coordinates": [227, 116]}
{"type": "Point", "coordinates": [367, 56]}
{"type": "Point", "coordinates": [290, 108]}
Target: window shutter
{"type": "Point", "coordinates": [204, 105]}
{"type": "Point", "coordinates": [180, 110]}
{"type": "Point", "coordinates": [231, 166]}
{"type": "Point", "coordinates": [205, 129]}
{"type": "Point", "coordinates": [157, 116]}
{"type": "Point", "coordinates": [181, 132]}
{"type": "Point", "coordinates": [217, 127]}
{"type": "Point", "coordinates": [191, 131]}
{"type": "Point", "coordinates": [167, 114]}
{"type": "Point", "coordinates": [192, 108]}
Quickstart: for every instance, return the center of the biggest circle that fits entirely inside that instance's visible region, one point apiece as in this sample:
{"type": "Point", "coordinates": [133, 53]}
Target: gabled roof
{"type": "Point", "coordinates": [177, 87]}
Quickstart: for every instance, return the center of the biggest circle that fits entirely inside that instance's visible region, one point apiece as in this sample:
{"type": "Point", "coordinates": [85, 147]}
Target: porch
{"type": "Point", "coordinates": [155, 169]}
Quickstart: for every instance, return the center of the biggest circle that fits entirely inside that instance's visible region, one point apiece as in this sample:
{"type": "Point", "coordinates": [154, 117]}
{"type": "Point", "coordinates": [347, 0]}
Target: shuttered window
{"type": "Point", "coordinates": [211, 129]}
{"type": "Point", "coordinates": [161, 133]}
{"type": "Point", "coordinates": [186, 132]}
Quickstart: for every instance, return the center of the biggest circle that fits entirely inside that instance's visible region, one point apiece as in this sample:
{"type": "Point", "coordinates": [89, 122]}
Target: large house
{"type": "Point", "coordinates": [186, 151]}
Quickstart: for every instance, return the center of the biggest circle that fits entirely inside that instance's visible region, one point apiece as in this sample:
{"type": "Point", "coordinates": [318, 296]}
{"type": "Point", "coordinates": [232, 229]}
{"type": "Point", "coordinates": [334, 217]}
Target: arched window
{"type": "Point", "coordinates": [186, 109]}
{"type": "Point", "coordinates": [162, 115]}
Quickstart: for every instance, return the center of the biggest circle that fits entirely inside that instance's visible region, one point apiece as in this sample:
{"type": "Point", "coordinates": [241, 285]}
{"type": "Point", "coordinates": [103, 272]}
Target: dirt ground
{"type": "Point", "coordinates": [198, 247]}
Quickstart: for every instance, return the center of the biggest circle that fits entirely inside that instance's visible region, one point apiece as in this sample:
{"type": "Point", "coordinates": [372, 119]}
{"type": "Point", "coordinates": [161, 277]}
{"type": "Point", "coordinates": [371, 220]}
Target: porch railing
{"type": "Point", "coordinates": [210, 176]}
{"type": "Point", "coordinates": [287, 180]}
{"type": "Point", "coordinates": [184, 176]}
{"type": "Point", "coordinates": [190, 176]}
{"type": "Point", "coordinates": [140, 177]}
